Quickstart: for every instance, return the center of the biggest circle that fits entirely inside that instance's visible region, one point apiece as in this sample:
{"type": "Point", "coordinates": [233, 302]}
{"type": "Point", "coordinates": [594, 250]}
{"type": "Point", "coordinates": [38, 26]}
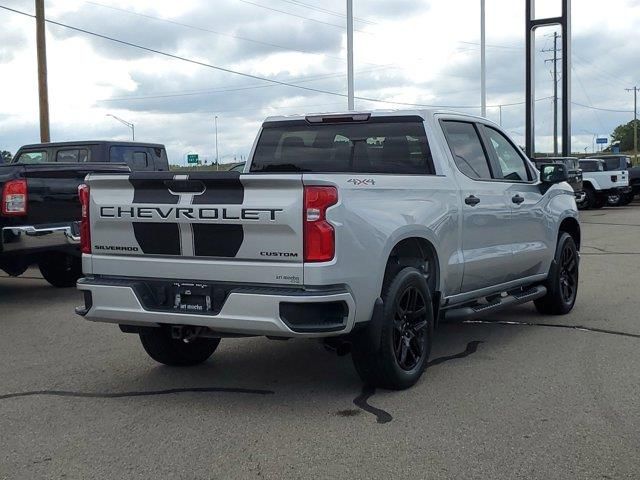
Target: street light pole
{"type": "Point", "coordinates": [215, 121]}
{"type": "Point", "coordinates": [635, 123]}
{"type": "Point", "coordinates": [128, 124]}
{"type": "Point", "coordinates": [483, 60]}
{"type": "Point", "coordinates": [350, 82]}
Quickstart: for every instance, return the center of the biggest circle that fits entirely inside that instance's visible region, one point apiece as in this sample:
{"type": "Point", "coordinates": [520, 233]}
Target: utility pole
{"type": "Point", "coordinates": [635, 123]}
{"type": "Point", "coordinates": [555, 61]}
{"type": "Point", "coordinates": [483, 60]}
{"type": "Point", "coordinates": [350, 82]}
{"type": "Point", "coordinates": [43, 94]}
{"type": "Point", "coordinates": [500, 107]}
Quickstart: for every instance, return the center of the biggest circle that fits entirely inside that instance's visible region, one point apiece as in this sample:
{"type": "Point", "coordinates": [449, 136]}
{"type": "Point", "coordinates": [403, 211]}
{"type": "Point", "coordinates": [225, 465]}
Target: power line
{"type": "Point", "coordinates": [602, 109]}
{"type": "Point", "coordinates": [327, 11]}
{"type": "Point", "coordinates": [342, 27]}
{"type": "Point", "coordinates": [215, 32]}
{"type": "Point", "coordinates": [188, 93]}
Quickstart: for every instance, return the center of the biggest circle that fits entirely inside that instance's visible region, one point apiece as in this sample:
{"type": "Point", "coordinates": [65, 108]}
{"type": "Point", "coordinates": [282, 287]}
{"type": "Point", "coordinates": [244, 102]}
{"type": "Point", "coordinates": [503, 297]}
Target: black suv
{"type": "Point", "coordinates": [574, 171]}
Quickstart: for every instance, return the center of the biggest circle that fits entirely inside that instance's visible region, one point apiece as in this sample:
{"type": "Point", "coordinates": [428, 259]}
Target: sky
{"type": "Point", "coordinates": [413, 51]}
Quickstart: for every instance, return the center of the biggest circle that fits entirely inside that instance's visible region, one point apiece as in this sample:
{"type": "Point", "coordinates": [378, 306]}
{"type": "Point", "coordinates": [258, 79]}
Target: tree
{"type": "Point", "coordinates": [5, 156]}
{"type": "Point", "coordinates": [624, 134]}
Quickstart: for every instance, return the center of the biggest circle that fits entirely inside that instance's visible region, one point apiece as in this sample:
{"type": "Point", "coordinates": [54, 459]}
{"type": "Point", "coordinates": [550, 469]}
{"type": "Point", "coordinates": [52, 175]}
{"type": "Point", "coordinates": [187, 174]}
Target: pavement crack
{"type": "Point", "coordinates": [472, 347]}
{"type": "Point", "coordinates": [382, 416]}
{"type": "Point", "coordinates": [361, 401]}
{"type": "Point", "coordinates": [602, 251]}
{"type": "Point", "coordinates": [552, 325]}
{"type": "Point", "coordinates": [169, 391]}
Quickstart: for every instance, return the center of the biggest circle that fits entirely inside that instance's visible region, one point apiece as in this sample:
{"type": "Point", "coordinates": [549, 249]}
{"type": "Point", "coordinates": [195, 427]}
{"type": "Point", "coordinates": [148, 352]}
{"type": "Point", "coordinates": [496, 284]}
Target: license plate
{"type": "Point", "coordinates": [192, 297]}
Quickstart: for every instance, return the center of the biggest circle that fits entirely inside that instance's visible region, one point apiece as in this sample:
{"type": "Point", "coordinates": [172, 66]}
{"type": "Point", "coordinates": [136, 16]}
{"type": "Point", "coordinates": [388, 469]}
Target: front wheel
{"type": "Point", "coordinates": [396, 358]}
{"type": "Point", "coordinates": [60, 269]}
{"type": "Point", "coordinates": [562, 284]}
{"type": "Point", "coordinates": [175, 352]}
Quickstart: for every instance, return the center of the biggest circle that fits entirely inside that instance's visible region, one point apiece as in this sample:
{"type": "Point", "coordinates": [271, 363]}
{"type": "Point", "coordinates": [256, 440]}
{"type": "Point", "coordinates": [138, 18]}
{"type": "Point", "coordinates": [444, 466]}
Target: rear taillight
{"type": "Point", "coordinates": [319, 235]}
{"type": "Point", "coordinates": [14, 198]}
{"type": "Point", "coordinates": [85, 232]}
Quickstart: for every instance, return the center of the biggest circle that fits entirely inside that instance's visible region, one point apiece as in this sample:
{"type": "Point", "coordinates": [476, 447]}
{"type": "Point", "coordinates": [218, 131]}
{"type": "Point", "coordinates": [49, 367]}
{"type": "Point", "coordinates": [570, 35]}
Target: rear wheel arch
{"type": "Point", "coordinates": [416, 252]}
{"type": "Point", "coordinates": [571, 226]}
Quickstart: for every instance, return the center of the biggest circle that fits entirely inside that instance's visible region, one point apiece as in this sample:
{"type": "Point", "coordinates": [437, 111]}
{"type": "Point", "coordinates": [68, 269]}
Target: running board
{"type": "Point", "coordinates": [467, 313]}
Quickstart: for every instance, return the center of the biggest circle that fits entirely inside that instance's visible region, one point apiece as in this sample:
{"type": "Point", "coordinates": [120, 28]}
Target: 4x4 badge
{"type": "Point", "coordinates": [362, 181]}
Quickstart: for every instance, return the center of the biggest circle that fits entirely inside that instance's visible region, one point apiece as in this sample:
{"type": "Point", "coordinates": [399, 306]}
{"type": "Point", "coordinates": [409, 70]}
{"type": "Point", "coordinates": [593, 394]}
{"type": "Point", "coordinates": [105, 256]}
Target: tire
{"type": "Point", "coordinates": [589, 198]}
{"type": "Point", "coordinates": [626, 199]}
{"type": "Point", "coordinates": [562, 284]}
{"type": "Point", "coordinates": [397, 356]}
{"type": "Point", "coordinates": [614, 200]}
{"type": "Point", "coordinates": [60, 269]}
{"type": "Point", "coordinates": [160, 346]}
{"type": "Point", "coordinates": [599, 202]}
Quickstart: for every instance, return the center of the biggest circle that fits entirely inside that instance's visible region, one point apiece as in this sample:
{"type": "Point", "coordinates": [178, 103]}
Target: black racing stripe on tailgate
{"type": "Point", "coordinates": [222, 240]}
{"type": "Point", "coordinates": [150, 187]}
{"type": "Point", "coordinates": [158, 238]}
{"type": "Point", "coordinates": [222, 189]}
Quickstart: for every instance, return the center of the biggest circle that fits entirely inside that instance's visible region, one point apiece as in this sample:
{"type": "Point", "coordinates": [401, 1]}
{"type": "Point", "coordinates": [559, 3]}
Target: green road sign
{"type": "Point", "coordinates": [192, 158]}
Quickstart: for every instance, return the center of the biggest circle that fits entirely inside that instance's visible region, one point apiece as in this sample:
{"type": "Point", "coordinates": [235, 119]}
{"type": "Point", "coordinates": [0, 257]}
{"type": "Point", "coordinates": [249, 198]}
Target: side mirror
{"type": "Point", "coordinates": [551, 173]}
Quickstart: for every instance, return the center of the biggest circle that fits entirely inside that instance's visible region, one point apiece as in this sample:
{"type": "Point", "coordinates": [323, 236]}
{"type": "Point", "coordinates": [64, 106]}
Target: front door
{"type": "Point", "coordinates": [531, 237]}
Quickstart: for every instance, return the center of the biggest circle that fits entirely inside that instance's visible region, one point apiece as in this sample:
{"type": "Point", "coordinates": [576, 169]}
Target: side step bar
{"type": "Point", "coordinates": [475, 311]}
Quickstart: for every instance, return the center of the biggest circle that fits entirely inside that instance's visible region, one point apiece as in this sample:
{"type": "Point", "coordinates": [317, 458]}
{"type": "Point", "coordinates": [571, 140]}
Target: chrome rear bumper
{"type": "Point", "coordinates": [29, 237]}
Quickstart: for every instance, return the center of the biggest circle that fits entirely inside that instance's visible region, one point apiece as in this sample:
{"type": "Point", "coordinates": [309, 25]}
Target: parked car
{"type": "Point", "coordinates": [363, 229]}
{"type": "Point", "coordinates": [574, 171]}
{"type": "Point", "coordinates": [39, 219]}
{"type": "Point", "coordinates": [599, 183]}
{"type": "Point", "coordinates": [615, 163]}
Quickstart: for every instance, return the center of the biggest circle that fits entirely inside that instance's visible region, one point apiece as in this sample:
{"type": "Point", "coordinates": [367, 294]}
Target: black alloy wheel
{"type": "Point", "coordinates": [410, 326]}
{"type": "Point", "coordinates": [568, 274]}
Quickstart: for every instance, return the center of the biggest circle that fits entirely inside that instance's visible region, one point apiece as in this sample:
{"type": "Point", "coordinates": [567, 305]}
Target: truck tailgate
{"type": "Point", "coordinates": [201, 226]}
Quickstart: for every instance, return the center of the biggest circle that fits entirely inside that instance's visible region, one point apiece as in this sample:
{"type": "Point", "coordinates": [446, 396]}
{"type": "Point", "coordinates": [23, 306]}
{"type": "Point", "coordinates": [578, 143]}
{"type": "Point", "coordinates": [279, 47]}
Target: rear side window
{"type": "Point", "coordinates": [32, 157]}
{"type": "Point", "coordinates": [613, 164]}
{"type": "Point", "coordinates": [590, 166]}
{"type": "Point", "coordinates": [136, 157]}
{"type": "Point", "coordinates": [398, 147]}
{"type": "Point", "coordinates": [72, 156]}
{"type": "Point", "coordinates": [467, 150]}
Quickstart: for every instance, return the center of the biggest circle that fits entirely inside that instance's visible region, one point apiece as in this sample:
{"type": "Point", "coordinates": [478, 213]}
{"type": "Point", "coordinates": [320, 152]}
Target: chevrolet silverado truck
{"type": "Point", "coordinates": [361, 229]}
{"type": "Point", "coordinates": [40, 213]}
{"type": "Point", "coordinates": [602, 181]}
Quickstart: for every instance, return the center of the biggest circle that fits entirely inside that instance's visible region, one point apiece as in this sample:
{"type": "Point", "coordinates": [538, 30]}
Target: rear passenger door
{"type": "Point", "coordinates": [486, 231]}
{"type": "Point", "coordinates": [529, 235]}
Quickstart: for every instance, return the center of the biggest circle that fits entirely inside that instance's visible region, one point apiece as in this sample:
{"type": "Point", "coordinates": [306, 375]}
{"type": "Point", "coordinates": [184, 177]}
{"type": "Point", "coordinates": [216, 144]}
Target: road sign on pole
{"type": "Point", "coordinates": [192, 158]}
{"type": "Point", "coordinates": [601, 140]}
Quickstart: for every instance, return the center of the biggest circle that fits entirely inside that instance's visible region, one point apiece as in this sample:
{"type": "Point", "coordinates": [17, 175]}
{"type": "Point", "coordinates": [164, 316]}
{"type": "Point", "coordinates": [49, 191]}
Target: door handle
{"type": "Point", "coordinates": [517, 199]}
{"type": "Point", "coordinates": [472, 200]}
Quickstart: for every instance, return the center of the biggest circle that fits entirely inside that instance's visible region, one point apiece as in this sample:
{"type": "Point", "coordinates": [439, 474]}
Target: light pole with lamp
{"type": "Point", "coordinates": [128, 124]}
{"type": "Point", "coordinates": [215, 121]}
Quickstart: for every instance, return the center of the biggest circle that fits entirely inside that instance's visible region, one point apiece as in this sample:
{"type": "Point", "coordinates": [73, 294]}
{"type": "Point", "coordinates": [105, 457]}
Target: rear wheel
{"type": "Point", "coordinates": [562, 284]}
{"type": "Point", "coordinates": [614, 199]}
{"type": "Point", "coordinates": [398, 356]}
{"type": "Point", "coordinates": [589, 198]}
{"type": "Point", "coordinates": [626, 199]}
{"type": "Point", "coordinates": [60, 269]}
{"type": "Point", "coordinates": [165, 349]}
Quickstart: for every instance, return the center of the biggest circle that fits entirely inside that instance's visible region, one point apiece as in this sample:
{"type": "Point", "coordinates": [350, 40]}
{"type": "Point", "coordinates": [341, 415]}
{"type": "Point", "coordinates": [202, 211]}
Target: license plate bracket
{"type": "Point", "coordinates": [192, 297]}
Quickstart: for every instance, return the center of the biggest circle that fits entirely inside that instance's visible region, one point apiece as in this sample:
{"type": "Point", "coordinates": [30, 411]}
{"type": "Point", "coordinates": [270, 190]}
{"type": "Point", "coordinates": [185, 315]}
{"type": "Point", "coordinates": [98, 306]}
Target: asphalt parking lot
{"type": "Point", "coordinates": [499, 400]}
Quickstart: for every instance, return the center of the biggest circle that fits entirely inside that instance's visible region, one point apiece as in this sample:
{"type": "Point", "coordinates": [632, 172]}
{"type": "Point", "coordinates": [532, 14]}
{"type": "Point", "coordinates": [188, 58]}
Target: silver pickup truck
{"type": "Point", "coordinates": [362, 229]}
